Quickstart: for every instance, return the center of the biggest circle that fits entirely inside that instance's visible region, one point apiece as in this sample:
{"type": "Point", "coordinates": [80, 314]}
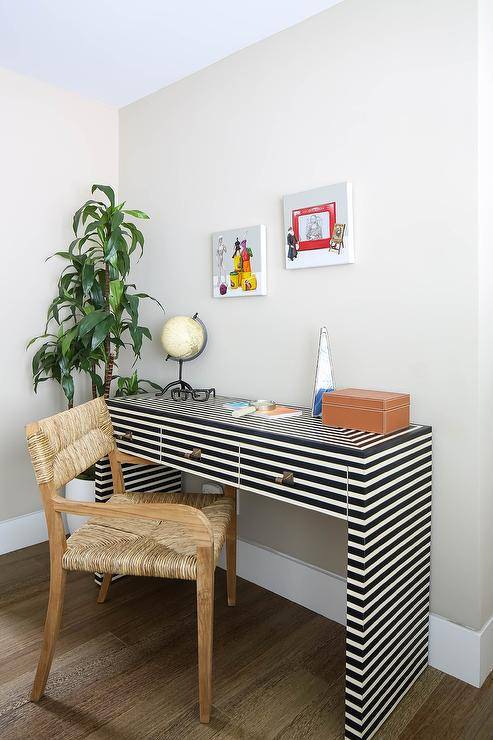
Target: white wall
{"type": "Point", "coordinates": [383, 94]}
{"type": "Point", "coordinates": [485, 68]}
{"type": "Point", "coordinates": [53, 146]}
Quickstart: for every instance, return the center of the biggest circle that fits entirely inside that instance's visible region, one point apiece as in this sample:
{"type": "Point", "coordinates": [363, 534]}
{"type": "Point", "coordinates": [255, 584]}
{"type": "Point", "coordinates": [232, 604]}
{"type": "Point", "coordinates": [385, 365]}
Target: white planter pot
{"type": "Point", "coordinates": [78, 490]}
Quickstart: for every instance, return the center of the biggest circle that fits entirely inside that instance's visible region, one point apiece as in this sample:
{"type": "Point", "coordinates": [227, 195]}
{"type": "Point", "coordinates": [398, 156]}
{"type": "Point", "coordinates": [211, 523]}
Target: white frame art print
{"type": "Point", "coordinates": [239, 262]}
{"type": "Point", "coordinates": [318, 227]}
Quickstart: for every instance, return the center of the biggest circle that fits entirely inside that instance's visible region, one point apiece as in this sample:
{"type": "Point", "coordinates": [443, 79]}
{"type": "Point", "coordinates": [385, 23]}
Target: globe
{"type": "Point", "coordinates": [183, 337]}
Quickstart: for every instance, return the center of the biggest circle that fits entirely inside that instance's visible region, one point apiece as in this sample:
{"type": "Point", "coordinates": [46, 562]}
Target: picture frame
{"type": "Point", "coordinates": [318, 227]}
{"type": "Point", "coordinates": [239, 259]}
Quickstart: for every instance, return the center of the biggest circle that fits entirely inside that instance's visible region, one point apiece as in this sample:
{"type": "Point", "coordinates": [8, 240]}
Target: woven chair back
{"type": "Point", "coordinates": [68, 443]}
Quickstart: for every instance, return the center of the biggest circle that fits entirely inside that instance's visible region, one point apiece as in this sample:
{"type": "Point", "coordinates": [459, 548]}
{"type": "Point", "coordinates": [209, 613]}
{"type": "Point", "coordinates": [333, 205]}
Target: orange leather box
{"type": "Point", "coordinates": [367, 411]}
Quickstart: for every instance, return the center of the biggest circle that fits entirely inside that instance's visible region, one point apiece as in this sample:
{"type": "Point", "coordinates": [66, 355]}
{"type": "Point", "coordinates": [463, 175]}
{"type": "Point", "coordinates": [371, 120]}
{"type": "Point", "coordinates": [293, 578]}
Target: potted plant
{"type": "Point", "coordinates": [95, 313]}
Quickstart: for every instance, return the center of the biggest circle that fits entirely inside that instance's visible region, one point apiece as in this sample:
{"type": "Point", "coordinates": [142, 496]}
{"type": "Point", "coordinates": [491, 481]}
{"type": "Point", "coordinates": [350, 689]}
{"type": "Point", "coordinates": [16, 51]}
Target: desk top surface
{"type": "Point", "coordinates": [304, 428]}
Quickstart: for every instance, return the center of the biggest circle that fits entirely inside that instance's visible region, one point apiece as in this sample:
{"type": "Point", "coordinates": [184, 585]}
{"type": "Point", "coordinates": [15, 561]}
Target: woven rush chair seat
{"type": "Point", "coordinates": [146, 547]}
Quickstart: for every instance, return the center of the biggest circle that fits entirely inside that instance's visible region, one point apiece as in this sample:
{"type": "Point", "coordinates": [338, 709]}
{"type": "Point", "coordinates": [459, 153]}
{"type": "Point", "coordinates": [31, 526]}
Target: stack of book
{"type": "Point", "coordinates": [279, 412]}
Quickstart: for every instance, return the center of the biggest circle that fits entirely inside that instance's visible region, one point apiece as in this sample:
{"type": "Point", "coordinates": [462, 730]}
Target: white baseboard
{"type": "Point", "coordinates": [461, 652]}
{"type": "Point", "coordinates": [316, 589]}
{"type": "Point", "coordinates": [486, 651]}
{"type": "Point", "coordinates": [22, 531]}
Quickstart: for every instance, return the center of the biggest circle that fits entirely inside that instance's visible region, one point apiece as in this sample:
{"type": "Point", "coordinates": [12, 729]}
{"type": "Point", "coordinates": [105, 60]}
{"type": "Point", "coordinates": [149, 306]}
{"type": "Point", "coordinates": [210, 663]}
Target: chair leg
{"type": "Point", "coordinates": [104, 588]}
{"type": "Point", "coordinates": [51, 629]}
{"type": "Point", "coordinates": [205, 618]}
{"type": "Point", "coordinates": [231, 550]}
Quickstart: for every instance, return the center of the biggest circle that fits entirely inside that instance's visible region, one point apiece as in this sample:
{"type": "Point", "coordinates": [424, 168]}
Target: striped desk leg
{"type": "Point", "coordinates": [137, 478]}
{"type": "Point", "coordinates": [389, 537]}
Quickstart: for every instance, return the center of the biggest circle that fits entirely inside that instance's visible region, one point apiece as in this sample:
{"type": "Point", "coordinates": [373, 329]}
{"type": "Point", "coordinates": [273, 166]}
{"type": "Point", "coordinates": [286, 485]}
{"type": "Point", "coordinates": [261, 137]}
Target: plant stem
{"type": "Point", "coordinates": [108, 375]}
{"type": "Point", "coordinates": [93, 384]}
{"type": "Point", "coordinates": [108, 370]}
{"type": "Point", "coordinates": [107, 283]}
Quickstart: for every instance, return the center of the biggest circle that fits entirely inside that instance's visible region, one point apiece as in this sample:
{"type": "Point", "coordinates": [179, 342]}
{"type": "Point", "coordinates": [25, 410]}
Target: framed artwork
{"type": "Point", "coordinates": [239, 262]}
{"type": "Point", "coordinates": [324, 373]}
{"type": "Point", "coordinates": [318, 227]}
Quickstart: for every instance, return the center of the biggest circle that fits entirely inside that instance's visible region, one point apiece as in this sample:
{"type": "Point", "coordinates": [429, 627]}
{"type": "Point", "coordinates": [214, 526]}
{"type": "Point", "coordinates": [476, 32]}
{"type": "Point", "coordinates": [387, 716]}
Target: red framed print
{"type": "Point", "coordinates": [313, 226]}
{"type": "Point", "coordinates": [318, 227]}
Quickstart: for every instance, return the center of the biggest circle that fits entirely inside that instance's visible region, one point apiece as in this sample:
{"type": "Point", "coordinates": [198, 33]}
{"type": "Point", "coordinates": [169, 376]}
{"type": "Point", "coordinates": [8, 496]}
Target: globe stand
{"type": "Point", "coordinates": [181, 389]}
{"type": "Point", "coordinates": [180, 383]}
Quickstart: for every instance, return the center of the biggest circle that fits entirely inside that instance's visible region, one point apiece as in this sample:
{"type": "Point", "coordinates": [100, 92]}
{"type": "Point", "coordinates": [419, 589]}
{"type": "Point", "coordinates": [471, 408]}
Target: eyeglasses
{"type": "Point", "coordinates": [196, 394]}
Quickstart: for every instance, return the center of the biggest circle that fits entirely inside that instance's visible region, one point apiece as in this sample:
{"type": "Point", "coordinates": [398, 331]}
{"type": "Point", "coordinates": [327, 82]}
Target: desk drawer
{"type": "Point", "coordinates": [144, 434]}
{"type": "Point", "coordinates": [197, 449]}
{"type": "Point", "coordinates": [304, 477]}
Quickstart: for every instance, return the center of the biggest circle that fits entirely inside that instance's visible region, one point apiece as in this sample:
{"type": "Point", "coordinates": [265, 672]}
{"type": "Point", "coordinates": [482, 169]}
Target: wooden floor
{"type": "Point", "coordinates": [127, 669]}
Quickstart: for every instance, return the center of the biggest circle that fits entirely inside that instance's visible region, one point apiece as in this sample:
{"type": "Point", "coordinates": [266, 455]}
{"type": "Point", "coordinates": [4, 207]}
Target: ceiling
{"type": "Point", "coordinates": [120, 50]}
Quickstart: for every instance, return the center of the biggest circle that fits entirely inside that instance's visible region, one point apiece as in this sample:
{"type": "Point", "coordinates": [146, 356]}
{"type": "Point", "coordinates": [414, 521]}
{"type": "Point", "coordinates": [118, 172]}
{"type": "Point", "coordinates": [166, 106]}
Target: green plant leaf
{"type": "Point", "coordinates": [146, 295]}
{"type": "Point", "coordinates": [78, 214]}
{"type": "Point", "coordinates": [133, 308]}
{"type": "Point", "coordinates": [65, 255]}
{"type": "Point", "coordinates": [146, 332]}
{"type": "Point", "coordinates": [92, 226]}
{"type": "Point", "coordinates": [36, 361]}
{"type": "Point", "coordinates": [116, 219]}
{"type": "Point", "coordinates": [116, 292]}
{"type": "Point", "coordinates": [87, 276]}
{"type": "Point", "coordinates": [67, 340]}
{"type": "Point", "coordinates": [98, 381]}
{"type": "Point", "coordinates": [107, 190]}
{"type": "Point", "coordinates": [156, 386]}
{"type": "Point", "coordinates": [112, 242]}
{"type": "Point", "coordinates": [101, 331]}
{"type": "Point", "coordinates": [136, 334]}
{"type": "Point", "coordinates": [97, 296]}
{"type": "Point", "coordinates": [37, 381]}
{"type": "Point", "coordinates": [136, 235]}
{"type": "Point", "coordinates": [76, 219]}
{"type": "Point", "coordinates": [31, 342]}
{"type": "Point", "coordinates": [136, 214]}
{"type": "Point", "coordinates": [112, 259]}
{"type": "Point", "coordinates": [68, 386]}
{"type": "Point", "coordinates": [90, 321]}
{"type": "Point", "coordinates": [90, 211]}
{"type": "Point", "coordinates": [111, 247]}
{"type": "Point", "coordinates": [123, 262]}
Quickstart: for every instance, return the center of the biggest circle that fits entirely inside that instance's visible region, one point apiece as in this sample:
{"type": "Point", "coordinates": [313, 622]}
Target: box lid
{"type": "Point", "coordinates": [365, 399]}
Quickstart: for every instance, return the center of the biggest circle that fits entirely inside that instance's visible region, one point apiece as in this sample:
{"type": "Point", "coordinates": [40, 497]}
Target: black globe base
{"type": "Point", "coordinates": [175, 384]}
{"type": "Point", "coordinates": [180, 383]}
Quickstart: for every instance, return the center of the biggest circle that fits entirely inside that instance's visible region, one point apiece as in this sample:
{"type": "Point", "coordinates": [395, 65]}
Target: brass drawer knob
{"type": "Point", "coordinates": [285, 479]}
{"type": "Point", "coordinates": [123, 435]}
{"type": "Point", "coordinates": [194, 454]}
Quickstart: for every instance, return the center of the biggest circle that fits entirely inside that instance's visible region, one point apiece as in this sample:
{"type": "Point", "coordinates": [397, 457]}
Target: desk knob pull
{"type": "Point", "coordinates": [123, 435]}
{"type": "Point", "coordinates": [194, 454]}
{"type": "Point", "coordinates": [286, 479]}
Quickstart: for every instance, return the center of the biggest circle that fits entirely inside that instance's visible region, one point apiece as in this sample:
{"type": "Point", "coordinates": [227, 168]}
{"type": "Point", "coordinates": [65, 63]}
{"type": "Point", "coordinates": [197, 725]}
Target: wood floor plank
{"type": "Point", "coordinates": [269, 708]}
{"type": "Point", "coordinates": [396, 724]}
{"type": "Point", "coordinates": [455, 710]}
{"type": "Point", "coordinates": [321, 719]}
{"type": "Point", "coordinates": [127, 669]}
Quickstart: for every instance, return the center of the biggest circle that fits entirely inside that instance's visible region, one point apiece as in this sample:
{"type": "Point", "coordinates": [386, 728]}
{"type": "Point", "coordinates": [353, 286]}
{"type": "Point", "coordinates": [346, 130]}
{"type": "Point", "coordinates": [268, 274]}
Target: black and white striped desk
{"type": "Point", "coordinates": [380, 485]}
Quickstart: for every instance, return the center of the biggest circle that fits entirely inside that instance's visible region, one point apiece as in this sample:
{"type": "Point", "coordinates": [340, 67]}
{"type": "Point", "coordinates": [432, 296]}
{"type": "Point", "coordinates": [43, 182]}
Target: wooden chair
{"type": "Point", "coordinates": [168, 535]}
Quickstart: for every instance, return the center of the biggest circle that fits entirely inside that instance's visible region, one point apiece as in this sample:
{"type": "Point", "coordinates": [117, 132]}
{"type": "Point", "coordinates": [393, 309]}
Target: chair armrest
{"type": "Point", "coordinates": [198, 524]}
